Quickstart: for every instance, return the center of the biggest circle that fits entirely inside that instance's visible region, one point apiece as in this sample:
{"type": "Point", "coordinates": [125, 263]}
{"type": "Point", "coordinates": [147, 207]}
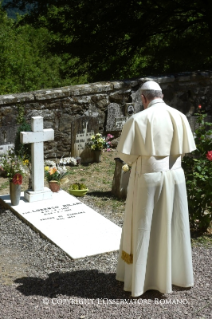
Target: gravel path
{"type": "Point", "coordinates": [38, 280]}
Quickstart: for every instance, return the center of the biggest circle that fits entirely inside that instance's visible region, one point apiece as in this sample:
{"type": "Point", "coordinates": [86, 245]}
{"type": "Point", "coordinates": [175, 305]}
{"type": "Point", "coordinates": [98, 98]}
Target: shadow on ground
{"type": "Point", "coordinates": [104, 194]}
{"type": "Point", "coordinates": [100, 194]}
{"type": "Point", "coordinates": [83, 284]}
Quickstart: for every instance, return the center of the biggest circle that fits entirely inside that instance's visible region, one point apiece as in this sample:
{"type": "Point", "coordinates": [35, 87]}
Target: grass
{"type": "Point", "coordinates": [201, 240]}
{"type": "Point", "coordinates": [4, 185]}
{"type": "Point", "coordinates": [98, 178]}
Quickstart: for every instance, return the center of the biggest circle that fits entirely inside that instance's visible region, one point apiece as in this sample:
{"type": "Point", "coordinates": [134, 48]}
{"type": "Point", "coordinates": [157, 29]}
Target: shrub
{"type": "Point", "coordinates": [23, 150]}
{"type": "Point", "coordinates": [198, 173]}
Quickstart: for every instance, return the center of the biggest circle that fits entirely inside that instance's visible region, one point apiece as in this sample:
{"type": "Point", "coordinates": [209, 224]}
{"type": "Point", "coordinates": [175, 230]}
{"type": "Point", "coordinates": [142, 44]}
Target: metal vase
{"type": "Point", "coordinates": [15, 193]}
{"type": "Point", "coordinates": [97, 156]}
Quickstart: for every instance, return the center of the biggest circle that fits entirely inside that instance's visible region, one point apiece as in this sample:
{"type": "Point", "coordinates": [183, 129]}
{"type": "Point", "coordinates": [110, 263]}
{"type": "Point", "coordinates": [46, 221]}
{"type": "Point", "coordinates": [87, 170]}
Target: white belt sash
{"type": "Point", "coordinates": [143, 165]}
{"type": "Point", "coordinates": [152, 164]}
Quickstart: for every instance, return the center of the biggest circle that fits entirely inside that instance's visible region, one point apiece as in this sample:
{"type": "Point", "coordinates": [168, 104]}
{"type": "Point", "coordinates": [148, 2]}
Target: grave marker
{"type": "Point", "coordinates": [36, 139]}
{"type": "Point", "coordinates": [74, 227]}
{"type": "Point", "coordinates": [81, 131]}
{"type": "Point", "coordinates": [114, 111]}
{"type": "Point", "coordinates": [7, 138]}
{"type": "Point", "coordinates": [117, 115]}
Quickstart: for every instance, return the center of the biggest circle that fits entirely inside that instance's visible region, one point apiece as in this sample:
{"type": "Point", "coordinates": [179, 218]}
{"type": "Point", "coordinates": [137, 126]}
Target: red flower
{"type": "Point", "coordinates": [209, 155]}
{"type": "Point", "coordinates": [17, 179]}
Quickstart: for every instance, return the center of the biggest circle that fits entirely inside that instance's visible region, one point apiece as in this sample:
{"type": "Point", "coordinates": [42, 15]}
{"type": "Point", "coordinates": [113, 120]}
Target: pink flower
{"type": "Point", "coordinates": [17, 179]}
{"type": "Point", "coordinates": [109, 136]}
{"type": "Point", "coordinates": [209, 155]}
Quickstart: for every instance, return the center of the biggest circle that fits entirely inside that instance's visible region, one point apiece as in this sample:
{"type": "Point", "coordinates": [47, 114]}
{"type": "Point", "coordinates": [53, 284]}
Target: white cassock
{"type": "Point", "coordinates": [155, 248]}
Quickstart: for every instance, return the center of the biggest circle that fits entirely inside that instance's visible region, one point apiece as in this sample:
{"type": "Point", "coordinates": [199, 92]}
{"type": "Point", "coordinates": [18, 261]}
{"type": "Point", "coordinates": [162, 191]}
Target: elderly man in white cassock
{"type": "Point", "coordinates": [155, 248]}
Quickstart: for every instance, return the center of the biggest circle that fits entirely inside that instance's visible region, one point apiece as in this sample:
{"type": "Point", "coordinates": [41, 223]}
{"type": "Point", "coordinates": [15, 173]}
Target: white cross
{"type": "Point", "coordinates": [36, 138]}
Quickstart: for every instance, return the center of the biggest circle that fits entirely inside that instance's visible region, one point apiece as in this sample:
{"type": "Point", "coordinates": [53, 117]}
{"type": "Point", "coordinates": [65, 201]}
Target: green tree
{"type": "Point", "coordinates": [26, 64]}
{"type": "Point", "coordinates": [114, 39]}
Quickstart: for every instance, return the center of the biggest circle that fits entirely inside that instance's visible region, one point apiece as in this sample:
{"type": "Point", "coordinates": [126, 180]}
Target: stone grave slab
{"type": "Point", "coordinates": [114, 111]}
{"type": "Point", "coordinates": [7, 138]}
{"type": "Point", "coordinates": [73, 226]}
{"type": "Point", "coordinates": [8, 134]}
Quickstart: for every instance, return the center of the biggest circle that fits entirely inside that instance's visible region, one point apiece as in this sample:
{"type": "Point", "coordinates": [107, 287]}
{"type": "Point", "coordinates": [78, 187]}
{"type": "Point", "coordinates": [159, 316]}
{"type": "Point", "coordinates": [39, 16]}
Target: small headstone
{"type": "Point", "coordinates": [7, 138]}
{"type": "Point", "coordinates": [5, 148]}
{"type": "Point", "coordinates": [81, 131]}
{"type": "Point", "coordinates": [118, 115]}
{"type": "Point", "coordinates": [36, 139]}
{"type": "Point", "coordinates": [8, 134]}
{"type": "Point", "coordinates": [114, 111]}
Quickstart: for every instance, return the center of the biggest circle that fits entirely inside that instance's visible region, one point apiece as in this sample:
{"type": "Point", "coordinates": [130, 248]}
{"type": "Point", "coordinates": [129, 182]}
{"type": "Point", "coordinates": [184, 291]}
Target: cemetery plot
{"type": "Point", "coordinates": [74, 227]}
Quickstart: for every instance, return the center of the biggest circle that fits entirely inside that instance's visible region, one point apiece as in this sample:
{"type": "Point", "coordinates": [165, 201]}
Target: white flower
{"type": "Point", "coordinates": [50, 163]}
{"type": "Point", "coordinates": [125, 168]}
{"type": "Point", "coordinates": [68, 160]}
{"type": "Point", "coordinates": [61, 170]}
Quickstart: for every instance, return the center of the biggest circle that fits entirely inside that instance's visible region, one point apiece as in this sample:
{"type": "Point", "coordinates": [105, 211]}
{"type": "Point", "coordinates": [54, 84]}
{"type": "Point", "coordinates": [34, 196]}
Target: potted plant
{"type": "Point", "coordinates": [78, 189]}
{"type": "Point", "coordinates": [14, 168]}
{"type": "Point", "coordinates": [54, 176]}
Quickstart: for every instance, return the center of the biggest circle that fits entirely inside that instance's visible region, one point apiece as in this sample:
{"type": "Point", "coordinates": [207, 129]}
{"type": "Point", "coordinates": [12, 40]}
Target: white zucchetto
{"type": "Point", "coordinates": [151, 85]}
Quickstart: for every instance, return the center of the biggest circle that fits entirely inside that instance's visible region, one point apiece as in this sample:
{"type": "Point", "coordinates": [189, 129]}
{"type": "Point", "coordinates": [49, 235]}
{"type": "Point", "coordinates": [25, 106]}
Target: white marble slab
{"type": "Point", "coordinates": [73, 226]}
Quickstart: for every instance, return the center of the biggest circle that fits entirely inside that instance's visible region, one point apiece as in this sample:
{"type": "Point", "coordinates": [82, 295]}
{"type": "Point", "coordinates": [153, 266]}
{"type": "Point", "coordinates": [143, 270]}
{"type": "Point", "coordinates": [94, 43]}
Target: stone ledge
{"type": "Point", "coordinates": [101, 87]}
{"type": "Point", "coordinates": [14, 98]}
{"type": "Point", "coordinates": [51, 94]}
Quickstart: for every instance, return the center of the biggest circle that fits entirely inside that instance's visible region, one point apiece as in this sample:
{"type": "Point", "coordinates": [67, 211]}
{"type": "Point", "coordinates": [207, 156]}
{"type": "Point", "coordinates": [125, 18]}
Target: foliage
{"type": "Point", "coordinates": [26, 64]}
{"type": "Point", "coordinates": [116, 39]}
{"type": "Point", "coordinates": [55, 173]}
{"type": "Point", "coordinates": [22, 150]}
{"type": "Point", "coordinates": [77, 186]}
{"type": "Point", "coordinates": [97, 142]}
{"type": "Point", "coordinates": [198, 173]}
{"type": "Point", "coordinates": [13, 12]}
{"type": "Point", "coordinates": [13, 164]}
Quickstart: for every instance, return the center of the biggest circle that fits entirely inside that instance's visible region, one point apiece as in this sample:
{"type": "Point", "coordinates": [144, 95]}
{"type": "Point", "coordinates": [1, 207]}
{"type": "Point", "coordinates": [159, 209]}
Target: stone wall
{"type": "Point", "coordinates": [103, 101]}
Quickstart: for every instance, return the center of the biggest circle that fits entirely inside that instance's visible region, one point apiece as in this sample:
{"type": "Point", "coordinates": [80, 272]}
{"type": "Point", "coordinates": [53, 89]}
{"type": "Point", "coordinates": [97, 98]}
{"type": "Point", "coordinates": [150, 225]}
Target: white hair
{"type": "Point", "coordinates": [152, 94]}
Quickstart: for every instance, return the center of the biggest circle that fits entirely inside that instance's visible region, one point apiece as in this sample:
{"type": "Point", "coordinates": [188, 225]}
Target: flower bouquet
{"type": "Point", "coordinates": [107, 144]}
{"type": "Point", "coordinates": [96, 142]}
{"type": "Point", "coordinates": [54, 175]}
{"type": "Point", "coordinates": [14, 168]}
